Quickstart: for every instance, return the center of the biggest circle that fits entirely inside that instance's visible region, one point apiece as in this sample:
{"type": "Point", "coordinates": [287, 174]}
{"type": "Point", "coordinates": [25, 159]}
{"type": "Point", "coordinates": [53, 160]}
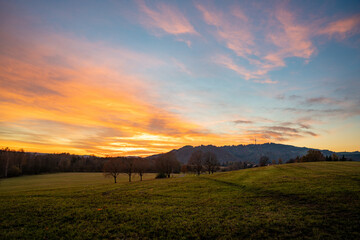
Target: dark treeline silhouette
{"type": "Point", "coordinates": [316, 156]}
{"type": "Point", "coordinates": [312, 155]}
{"type": "Point", "coordinates": [15, 163]}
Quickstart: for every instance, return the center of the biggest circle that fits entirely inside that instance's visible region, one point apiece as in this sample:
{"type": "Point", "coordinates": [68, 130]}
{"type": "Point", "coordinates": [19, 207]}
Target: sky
{"type": "Point", "coordinates": [140, 77]}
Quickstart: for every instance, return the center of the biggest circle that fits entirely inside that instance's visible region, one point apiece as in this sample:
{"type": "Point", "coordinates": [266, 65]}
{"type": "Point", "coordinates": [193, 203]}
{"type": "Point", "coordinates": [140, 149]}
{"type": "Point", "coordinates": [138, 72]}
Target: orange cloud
{"type": "Point", "coordinates": [59, 93]}
{"type": "Point", "coordinates": [167, 18]}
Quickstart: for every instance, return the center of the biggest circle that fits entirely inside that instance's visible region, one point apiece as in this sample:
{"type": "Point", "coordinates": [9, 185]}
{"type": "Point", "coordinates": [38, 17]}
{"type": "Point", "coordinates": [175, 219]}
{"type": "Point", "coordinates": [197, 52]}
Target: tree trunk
{"type": "Point", "coordinates": [141, 177]}
{"type": "Point", "coordinates": [129, 177]}
{"type": "Point", "coordinates": [6, 165]}
{"type": "Point", "coordinates": [115, 179]}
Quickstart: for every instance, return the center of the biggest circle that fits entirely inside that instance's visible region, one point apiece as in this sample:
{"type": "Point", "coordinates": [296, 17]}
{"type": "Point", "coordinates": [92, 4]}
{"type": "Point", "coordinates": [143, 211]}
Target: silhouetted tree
{"type": "Point", "coordinates": [334, 157]}
{"type": "Point", "coordinates": [264, 160]}
{"type": "Point", "coordinates": [141, 165]}
{"type": "Point", "coordinates": [113, 167]}
{"type": "Point", "coordinates": [196, 161]}
{"type": "Point", "coordinates": [210, 162]}
{"type": "Point", "coordinates": [128, 166]}
{"type": "Point", "coordinates": [236, 166]}
{"type": "Point", "coordinates": [167, 163]}
{"type": "Point", "coordinates": [313, 156]}
{"type": "Point", "coordinates": [5, 156]}
{"type": "Point", "coordinates": [19, 159]}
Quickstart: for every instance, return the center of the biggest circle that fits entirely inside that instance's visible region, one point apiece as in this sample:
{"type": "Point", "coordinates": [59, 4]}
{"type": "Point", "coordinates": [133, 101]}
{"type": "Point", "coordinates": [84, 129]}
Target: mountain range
{"type": "Point", "coordinates": [251, 153]}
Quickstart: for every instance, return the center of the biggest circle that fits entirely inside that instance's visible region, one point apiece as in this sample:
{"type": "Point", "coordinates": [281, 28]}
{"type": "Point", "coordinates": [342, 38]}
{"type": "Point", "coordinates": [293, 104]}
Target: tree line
{"type": "Point", "coordinates": [316, 156]}
{"type": "Point", "coordinates": [311, 156]}
{"type": "Point", "coordinates": [15, 163]}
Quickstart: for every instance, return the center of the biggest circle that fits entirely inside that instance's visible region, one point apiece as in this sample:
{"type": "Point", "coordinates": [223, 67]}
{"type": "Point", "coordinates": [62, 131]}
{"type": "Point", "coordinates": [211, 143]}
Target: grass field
{"type": "Point", "coordinates": [298, 201]}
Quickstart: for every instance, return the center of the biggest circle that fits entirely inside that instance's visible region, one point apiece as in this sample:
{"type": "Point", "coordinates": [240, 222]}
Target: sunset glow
{"type": "Point", "coordinates": [144, 77]}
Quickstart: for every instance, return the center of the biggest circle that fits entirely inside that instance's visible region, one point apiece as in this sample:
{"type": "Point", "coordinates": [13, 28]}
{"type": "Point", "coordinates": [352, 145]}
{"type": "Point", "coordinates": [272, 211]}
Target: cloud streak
{"type": "Point", "coordinates": [342, 28]}
{"type": "Point", "coordinates": [165, 17]}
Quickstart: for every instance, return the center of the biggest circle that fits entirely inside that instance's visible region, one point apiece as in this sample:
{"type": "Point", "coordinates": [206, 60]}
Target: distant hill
{"type": "Point", "coordinates": [252, 153]}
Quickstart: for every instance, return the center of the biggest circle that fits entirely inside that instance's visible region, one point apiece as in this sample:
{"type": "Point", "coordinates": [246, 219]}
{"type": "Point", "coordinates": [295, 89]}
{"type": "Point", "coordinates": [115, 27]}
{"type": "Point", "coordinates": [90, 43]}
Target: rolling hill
{"type": "Point", "coordinates": [318, 200]}
{"type": "Point", "coordinates": [252, 153]}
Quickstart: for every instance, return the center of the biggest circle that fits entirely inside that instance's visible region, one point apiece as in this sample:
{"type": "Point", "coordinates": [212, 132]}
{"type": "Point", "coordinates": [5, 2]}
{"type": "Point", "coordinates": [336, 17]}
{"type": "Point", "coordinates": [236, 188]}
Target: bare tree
{"type": "Point", "coordinates": [167, 163]}
{"type": "Point", "coordinates": [113, 168]}
{"type": "Point", "coordinates": [236, 166]}
{"type": "Point", "coordinates": [210, 162]}
{"type": "Point", "coordinates": [196, 161]}
{"type": "Point", "coordinates": [141, 165]}
{"type": "Point", "coordinates": [128, 166]}
{"type": "Point", "coordinates": [6, 158]}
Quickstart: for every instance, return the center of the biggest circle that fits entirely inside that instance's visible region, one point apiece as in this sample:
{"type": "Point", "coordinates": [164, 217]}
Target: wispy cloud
{"type": "Point", "coordinates": [267, 81]}
{"type": "Point", "coordinates": [291, 39]}
{"type": "Point", "coordinates": [281, 38]}
{"type": "Point", "coordinates": [288, 39]}
{"type": "Point", "coordinates": [181, 66]}
{"type": "Point", "coordinates": [279, 133]}
{"type": "Point", "coordinates": [230, 64]}
{"type": "Point", "coordinates": [243, 121]}
{"type": "Point", "coordinates": [342, 28]}
{"type": "Point", "coordinates": [165, 17]}
{"type": "Point", "coordinates": [235, 34]}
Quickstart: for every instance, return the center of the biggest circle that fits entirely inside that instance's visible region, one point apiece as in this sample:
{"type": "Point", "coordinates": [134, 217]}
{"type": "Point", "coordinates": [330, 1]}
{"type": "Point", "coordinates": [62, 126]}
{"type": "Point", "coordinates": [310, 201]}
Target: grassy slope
{"type": "Point", "coordinates": [307, 200]}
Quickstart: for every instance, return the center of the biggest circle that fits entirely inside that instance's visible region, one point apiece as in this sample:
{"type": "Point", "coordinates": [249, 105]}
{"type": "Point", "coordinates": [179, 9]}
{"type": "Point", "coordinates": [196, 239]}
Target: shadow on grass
{"type": "Point", "coordinates": [298, 199]}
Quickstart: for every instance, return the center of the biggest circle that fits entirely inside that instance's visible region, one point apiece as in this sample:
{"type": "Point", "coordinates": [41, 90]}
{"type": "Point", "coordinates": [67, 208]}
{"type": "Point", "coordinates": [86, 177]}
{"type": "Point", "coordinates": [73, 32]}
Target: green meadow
{"type": "Point", "coordinates": [318, 200]}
